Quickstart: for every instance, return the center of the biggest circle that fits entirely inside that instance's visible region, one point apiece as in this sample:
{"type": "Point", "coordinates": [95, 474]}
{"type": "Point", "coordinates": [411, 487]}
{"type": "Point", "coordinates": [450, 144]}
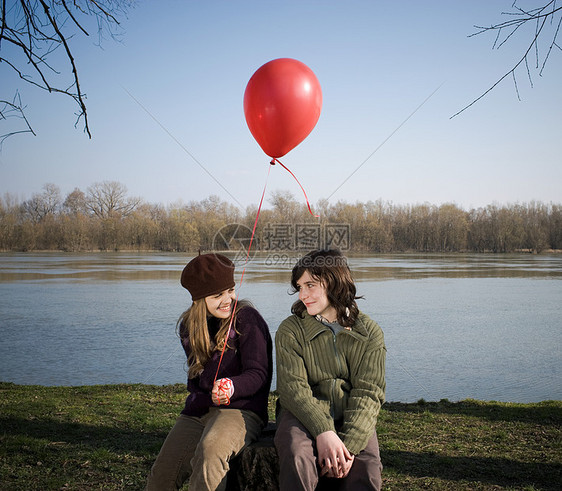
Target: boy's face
{"type": "Point", "coordinates": [314, 296]}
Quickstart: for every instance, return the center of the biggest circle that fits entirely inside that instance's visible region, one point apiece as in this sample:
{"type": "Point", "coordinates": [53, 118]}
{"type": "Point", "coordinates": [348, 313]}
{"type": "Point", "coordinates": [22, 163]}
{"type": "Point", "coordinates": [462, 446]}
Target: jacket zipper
{"type": "Point", "coordinates": [332, 403]}
{"type": "Point", "coordinates": [332, 408]}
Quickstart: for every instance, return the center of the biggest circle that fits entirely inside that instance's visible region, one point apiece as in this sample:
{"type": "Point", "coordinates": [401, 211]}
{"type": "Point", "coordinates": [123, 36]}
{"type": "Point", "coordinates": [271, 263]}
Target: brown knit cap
{"type": "Point", "coordinates": [207, 274]}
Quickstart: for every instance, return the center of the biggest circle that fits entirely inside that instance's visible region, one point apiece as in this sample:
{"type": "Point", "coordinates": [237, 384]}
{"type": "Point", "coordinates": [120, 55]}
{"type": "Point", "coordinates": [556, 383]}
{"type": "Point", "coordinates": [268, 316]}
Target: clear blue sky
{"type": "Point", "coordinates": [187, 63]}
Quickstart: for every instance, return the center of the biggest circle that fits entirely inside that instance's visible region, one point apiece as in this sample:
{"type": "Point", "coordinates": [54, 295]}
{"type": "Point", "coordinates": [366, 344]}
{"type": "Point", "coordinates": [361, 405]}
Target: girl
{"type": "Point", "coordinates": [223, 412]}
{"type": "Point", "coordinates": [331, 381]}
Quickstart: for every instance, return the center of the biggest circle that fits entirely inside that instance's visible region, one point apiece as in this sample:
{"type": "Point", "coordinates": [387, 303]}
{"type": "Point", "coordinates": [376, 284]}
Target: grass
{"type": "Point", "coordinates": [106, 437]}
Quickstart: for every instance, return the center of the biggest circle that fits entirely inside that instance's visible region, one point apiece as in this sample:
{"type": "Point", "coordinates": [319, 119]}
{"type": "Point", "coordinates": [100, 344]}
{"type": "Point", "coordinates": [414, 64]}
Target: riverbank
{"type": "Point", "coordinates": [107, 436]}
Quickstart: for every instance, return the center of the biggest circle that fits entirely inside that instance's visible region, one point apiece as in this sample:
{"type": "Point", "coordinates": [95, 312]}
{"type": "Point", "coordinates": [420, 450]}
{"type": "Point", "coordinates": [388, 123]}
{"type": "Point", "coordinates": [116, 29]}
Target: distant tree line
{"type": "Point", "coordinates": [105, 218]}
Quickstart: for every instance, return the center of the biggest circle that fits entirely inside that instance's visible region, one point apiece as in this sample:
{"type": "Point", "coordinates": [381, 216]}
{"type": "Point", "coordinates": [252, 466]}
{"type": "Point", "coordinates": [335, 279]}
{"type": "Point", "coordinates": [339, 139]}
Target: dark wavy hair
{"type": "Point", "coordinates": [329, 267]}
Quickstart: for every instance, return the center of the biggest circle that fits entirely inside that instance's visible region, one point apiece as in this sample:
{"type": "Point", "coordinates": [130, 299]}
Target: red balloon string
{"type": "Point", "coordinates": [242, 276]}
{"type": "Point", "coordinates": [273, 162]}
{"type": "Point", "coordinates": [305, 196]}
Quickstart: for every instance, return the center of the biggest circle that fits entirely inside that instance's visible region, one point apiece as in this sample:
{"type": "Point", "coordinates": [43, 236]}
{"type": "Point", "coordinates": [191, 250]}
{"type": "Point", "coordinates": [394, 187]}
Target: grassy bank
{"type": "Point", "coordinates": [106, 437]}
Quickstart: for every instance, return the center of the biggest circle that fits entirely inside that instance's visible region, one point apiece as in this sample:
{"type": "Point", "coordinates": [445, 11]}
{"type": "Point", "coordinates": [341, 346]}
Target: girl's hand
{"type": "Point", "coordinates": [222, 391]}
{"type": "Point", "coordinates": [334, 458]}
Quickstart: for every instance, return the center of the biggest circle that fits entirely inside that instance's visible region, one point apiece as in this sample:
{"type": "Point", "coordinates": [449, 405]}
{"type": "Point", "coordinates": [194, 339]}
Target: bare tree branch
{"type": "Point", "coordinates": [14, 110]}
{"type": "Point", "coordinates": [71, 15]}
{"type": "Point", "coordinates": [551, 45]}
{"type": "Point", "coordinates": [36, 29]}
{"type": "Point", "coordinates": [548, 12]}
{"type": "Point", "coordinates": [78, 97]}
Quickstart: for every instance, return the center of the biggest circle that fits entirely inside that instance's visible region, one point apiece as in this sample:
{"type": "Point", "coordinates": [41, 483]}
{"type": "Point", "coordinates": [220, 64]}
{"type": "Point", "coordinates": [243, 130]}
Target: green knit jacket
{"type": "Point", "coordinates": [323, 378]}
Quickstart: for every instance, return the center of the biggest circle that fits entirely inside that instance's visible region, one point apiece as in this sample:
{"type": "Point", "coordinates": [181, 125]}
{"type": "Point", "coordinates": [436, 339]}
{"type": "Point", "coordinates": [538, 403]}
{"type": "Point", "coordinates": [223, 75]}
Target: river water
{"type": "Point", "coordinates": [456, 326]}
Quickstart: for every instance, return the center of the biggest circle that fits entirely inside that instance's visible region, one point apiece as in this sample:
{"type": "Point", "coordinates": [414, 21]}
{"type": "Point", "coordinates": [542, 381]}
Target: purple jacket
{"type": "Point", "coordinates": [249, 365]}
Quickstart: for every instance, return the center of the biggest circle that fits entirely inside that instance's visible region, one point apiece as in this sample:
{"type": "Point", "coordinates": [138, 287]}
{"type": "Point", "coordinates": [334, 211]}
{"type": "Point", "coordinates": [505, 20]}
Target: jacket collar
{"type": "Point", "coordinates": [313, 327]}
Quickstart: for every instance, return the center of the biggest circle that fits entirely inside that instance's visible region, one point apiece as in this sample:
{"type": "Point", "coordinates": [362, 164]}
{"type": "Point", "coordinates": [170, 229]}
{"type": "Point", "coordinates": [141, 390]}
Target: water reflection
{"type": "Point", "coordinates": [275, 268]}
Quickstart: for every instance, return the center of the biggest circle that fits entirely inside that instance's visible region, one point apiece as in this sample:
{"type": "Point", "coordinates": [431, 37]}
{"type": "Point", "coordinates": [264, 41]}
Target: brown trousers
{"type": "Point", "coordinates": [298, 465]}
{"type": "Point", "coordinates": [200, 449]}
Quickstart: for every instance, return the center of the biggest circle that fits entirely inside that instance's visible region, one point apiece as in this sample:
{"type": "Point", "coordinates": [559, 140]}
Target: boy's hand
{"type": "Point", "coordinates": [334, 458]}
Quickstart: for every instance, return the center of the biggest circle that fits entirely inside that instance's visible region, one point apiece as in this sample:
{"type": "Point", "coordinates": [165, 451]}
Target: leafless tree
{"type": "Point", "coordinates": [32, 32]}
{"type": "Point", "coordinates": [43, 204]}
{"type": "Point", "coordinates": [75, 203]}
{"type": "Point", "coordinates": [546, 20]}
{"type": "Point", "coordinates": [108, 199]}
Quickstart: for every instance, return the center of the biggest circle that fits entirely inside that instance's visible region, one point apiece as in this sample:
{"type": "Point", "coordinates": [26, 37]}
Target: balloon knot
{"type": "Point", "coordinates": [272, 162]}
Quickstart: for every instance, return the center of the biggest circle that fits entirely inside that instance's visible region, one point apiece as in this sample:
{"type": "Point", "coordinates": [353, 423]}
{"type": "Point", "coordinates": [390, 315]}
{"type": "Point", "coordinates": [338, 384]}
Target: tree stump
{"type": "Point", "coordinates": [257, 467]}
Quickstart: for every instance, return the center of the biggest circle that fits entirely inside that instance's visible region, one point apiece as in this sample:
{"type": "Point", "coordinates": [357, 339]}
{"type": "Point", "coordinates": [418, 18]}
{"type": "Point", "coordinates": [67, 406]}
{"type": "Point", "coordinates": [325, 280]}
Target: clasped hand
{"type": "Point", "coordinates": [222, 391]}
{"type": "Point", "coordinates": [334, 458]}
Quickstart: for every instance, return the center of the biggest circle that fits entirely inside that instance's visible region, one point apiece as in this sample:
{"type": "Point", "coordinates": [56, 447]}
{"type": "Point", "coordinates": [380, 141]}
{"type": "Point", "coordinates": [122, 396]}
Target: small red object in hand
{"type": "Point", "coordinates": [225, 389]}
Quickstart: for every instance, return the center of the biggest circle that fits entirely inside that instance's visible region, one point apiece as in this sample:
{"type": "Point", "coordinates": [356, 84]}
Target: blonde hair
{"type": "Point", "coordinates": [193, 331]}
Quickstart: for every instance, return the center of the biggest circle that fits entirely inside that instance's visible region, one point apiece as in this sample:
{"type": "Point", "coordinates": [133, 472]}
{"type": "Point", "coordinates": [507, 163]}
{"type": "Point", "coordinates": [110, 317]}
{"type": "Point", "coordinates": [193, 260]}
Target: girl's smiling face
{"type": "Point", "coordinates": [313, 294]}
{"type": "Point", "coordinates": [220, 305]}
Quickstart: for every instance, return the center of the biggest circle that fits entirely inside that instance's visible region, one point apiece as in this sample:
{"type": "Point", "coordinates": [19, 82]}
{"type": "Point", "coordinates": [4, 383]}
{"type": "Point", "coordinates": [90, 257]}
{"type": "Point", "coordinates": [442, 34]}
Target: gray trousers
{"type": "Point", "coordinates": [199, 449]}
{"type": "Point", "coordinates": [298, 465]}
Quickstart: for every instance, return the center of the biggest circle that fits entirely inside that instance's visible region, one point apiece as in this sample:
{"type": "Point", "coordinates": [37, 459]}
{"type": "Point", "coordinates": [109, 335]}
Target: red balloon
{"type": "Point", "coordinates": [282, 104]}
